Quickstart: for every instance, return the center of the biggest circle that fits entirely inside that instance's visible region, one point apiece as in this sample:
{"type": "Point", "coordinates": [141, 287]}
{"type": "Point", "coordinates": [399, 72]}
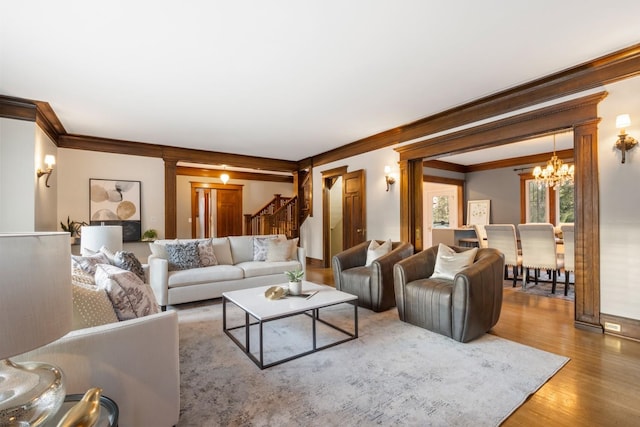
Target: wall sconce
{"type": "Point", "coordinates": [49, 160]}
{"type": "Point", "coordinates": [624, 142]}
{"type": "Point", "coordinates": [388, 177]}
{"type": "Point", "coordinates": [224, 178]}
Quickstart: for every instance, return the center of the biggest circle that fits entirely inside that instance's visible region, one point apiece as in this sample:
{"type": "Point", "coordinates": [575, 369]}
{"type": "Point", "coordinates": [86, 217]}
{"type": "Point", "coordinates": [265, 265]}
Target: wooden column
{"type": "Point", "coordinates": [170, 199]}
{"type": "Point", "coordinates": [587, 221]}
{"type": "Point", "coordinates": [411, 229]}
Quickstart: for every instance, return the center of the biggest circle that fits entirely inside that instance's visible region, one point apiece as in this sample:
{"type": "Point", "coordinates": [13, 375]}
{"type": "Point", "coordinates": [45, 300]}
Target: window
{"type": "Point", "coordinates": [542, 204]}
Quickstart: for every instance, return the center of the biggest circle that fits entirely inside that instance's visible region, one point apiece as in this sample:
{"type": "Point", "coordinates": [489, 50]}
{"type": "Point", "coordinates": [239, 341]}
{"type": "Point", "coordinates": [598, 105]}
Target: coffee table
{"type": "Point", "coordinates": [255, 305]}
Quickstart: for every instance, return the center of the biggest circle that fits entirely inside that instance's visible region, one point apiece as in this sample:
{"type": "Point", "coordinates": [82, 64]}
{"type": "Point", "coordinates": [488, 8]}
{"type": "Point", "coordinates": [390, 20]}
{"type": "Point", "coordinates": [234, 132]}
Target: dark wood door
{"type": "Point", "coordinates": [229, 213]}
{"type": "Point", "coordinates": [353, 208]}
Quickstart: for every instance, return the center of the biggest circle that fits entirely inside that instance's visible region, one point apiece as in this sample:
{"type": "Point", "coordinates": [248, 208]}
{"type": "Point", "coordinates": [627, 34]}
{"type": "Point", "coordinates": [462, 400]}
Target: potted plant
{"type": "Point", "coordinates": [150, 235]}
{"type": "Point", "coordinates": [295, 281]}
{"type": "Point", "coordinates": [73, 228]}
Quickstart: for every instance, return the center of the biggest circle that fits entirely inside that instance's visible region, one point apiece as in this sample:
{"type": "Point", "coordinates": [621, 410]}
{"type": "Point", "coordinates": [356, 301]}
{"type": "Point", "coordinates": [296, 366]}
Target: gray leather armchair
{"type": "Point", "coordinates": [372, 284]}
{"type": "Point", "coordinates": [463, 308]}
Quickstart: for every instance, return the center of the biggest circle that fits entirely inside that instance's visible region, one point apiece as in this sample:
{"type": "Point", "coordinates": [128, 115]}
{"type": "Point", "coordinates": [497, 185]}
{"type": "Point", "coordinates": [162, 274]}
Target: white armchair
{"type": "Point", "coordinates": [135, 362]}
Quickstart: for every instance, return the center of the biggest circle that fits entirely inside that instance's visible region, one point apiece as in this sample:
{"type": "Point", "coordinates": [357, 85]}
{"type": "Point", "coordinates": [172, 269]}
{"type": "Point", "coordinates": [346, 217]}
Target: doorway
{"type": "Point", "coordinates": [216, 210]}
{"type": "Point", "coordinates": [343, 211]}
{"type": "Point", "coordinates": [440, 205]}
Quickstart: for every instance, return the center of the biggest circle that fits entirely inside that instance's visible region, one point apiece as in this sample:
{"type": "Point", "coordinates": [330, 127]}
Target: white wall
{"type": "Point", "coordinates": [255, 194]}
{"type": "Point", "coordinates": [619, 204]}
{"type": "Point", "coordinates": [46, 198]}
{"type": "Point", "coordinates": [18, 181]}
{"type": "Point", "coordinates": [383, 208]}
{"type": "Point", "coordinates": [75, 167]}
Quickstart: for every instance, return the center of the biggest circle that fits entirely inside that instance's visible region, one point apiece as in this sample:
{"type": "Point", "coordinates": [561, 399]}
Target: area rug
{"type": "Point", "coordinates": [392, 374]}
{"type": "Point", "coordinates": [543, 288]}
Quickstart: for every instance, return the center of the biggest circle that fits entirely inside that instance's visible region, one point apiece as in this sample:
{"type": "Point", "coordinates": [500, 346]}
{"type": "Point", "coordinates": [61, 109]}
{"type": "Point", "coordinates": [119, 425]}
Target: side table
{"type": "Point", "coordinates": [108, 411]}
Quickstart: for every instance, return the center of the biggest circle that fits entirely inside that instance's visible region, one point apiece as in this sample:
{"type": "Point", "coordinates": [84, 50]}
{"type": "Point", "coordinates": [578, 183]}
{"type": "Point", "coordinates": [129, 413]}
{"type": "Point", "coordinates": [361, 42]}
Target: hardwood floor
{"type": "Point", "coordinates": [600, 386]}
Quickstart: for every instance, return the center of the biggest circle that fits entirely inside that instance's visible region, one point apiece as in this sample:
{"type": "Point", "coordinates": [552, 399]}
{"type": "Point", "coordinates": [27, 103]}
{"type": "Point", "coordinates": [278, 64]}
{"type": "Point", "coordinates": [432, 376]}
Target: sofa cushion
{"type": "Point", "coordinates": [128, 261]}
{"type": "Point", "coordinates": [449, 262]}
{"type": "Point", "coordinates": [158, 248]}
{"type": "Point", "coordinates": [206, 253]}
{"type": "Point", "coordinates": [282, 250]}
{"type": "Point", "coordinates": [241, 248]}
{"type": "Point", "coordinates": [261, 268]}
{"type": "Point", "coordinates": [183, 256]}
{"type": "Point", "coordinates": [89, 263]}
{"type": "Point", "coordinates": [216, 273]}
{"type": "Point", "coordinates": [130, 296]}
{"type": "Point", "coordinates": [222, 249]}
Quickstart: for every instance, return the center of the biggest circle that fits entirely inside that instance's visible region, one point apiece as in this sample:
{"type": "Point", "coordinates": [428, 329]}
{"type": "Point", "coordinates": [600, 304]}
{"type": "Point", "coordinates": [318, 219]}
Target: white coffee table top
{"type": "Point", "coordinates": [260, 307]}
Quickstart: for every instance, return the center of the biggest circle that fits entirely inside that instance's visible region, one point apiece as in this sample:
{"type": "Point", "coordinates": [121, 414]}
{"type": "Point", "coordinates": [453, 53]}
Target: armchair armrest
{"type": "Point", "coordinates": [385, 264]}
{"type": "Point", "coordinates": [302, 258]}
{"type": "Point", "coordinates": [353, 257]}
{"type": "Point", "coordinates": [159, 279]}
{"type": "Point", "coordinates": [135, 362]}
{"type": "Point", "coordinates": [477, 295]}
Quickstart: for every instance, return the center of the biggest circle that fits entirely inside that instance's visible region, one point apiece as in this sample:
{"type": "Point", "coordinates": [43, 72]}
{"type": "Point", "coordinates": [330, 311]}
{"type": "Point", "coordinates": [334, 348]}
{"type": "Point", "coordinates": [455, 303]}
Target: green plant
{"type": "Point", "coordinates": [72, 227]}
{"type": "Point", "coordinates": [150, 234]}
{"type": "Point", "coordinates": [294, 275]}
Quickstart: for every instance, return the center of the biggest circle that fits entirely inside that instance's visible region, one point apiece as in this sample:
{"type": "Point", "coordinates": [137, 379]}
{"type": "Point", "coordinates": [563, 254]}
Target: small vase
{"type": "Point", "coordinates": [295, 288]}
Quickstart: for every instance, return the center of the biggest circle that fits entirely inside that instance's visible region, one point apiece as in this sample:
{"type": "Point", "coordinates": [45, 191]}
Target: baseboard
{"type": "Point", "coordinates": [315, 263]}
{"type": "Point", "coordinates": [620, 326]}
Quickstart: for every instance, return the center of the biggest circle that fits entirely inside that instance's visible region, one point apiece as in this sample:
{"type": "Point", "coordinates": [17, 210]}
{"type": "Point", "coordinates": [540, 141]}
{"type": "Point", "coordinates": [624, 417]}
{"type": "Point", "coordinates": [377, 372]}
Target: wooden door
{"type": "Point", "coordinates": [229, 213]}
{"type": "Point", "coordinates": [353, 208]}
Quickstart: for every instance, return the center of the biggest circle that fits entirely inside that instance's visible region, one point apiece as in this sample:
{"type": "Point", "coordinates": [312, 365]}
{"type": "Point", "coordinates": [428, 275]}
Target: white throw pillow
{"type": "Point", "coordinates": [449, 262]}
{"type": "Point", "coordinates": [376, 250]}
{"type": "Point", "coordinates": [91, 307]}
{"type": "Point", "coordinates": [281, 250]}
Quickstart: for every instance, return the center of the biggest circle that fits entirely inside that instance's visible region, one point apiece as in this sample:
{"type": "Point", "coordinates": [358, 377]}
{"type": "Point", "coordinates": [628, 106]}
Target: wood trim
{"type": "Point", "coordinates": [48, 121]}
{"type": "Point", "coordinates": [249, 176]}
{"type": "Point", "coordinates": [629, 328]}
{"type": "Point", "coordinates": [606, 69]}
{"type": "Point", "coordinates": [587, 221]}
{"type": "Point", "coordinates": [447, 166]}
{"type": "Point", "coordinates": [17, 108]}
{"type": "Point", "coordinates": [216, 186]}
{"type": "Point", "coordinates": [516, 128]}
{"type": "Point", "coordinates": [442, 180]}
{"type": "Point", "coordinates": [565, 155]}
{"type": "Point", "coordinates": [581, 115]}
{"type": "Point", "coordinates": [315, 262]}
{"type": "Point", "coordinates": [170, 200]}
{"type": "Point", "coordinates": [339, 171]}
{"type": "Point", "coordinates": [107, 145]}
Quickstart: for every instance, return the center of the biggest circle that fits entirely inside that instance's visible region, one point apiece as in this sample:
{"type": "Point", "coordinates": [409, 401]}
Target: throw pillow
{"type": "Point", "coordinates": [128, 261]}
{"type": "Point", "coordinates": [109, 253]}
{"type": "Point", "coordinates": [260, 247]}
{"type": "Point", "coordinates": [129, 295]}
{"type": "Point", "coordinates": [81, 277]}
{"type": "Point", "coordinates": [88, 263]}
{"type": "Point", "coordinates": [376, 250]}
{"type": "Point", "coordinates": [91, 307]}
{"type": "Point", "coordinates": [206, 253]}
{"type": "Point", "coordinates": [280, 250]}
{"type": "Point", "coordinates": [183, 256]}
{"type": "Point", "coordinates": [449, 262]}
{"type": "Point", "coordinates": [222, 249]}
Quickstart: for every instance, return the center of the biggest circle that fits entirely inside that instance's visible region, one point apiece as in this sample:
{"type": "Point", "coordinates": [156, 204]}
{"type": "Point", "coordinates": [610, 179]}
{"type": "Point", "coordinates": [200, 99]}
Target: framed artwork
{"type": "Point", "coordinates": [478, 211]}
{"type": "Point", "coordinates": [116, 202]}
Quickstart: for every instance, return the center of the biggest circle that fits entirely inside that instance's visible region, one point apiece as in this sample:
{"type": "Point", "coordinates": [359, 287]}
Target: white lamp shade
{"type": "Point", "coordinates": [49, 160]}
{"type": "Point", "coordinates": [92, 238]}
{"type": "Point", "coordinates": [35, 290]}
{"type": "Point", "coordinates": [623, 121]}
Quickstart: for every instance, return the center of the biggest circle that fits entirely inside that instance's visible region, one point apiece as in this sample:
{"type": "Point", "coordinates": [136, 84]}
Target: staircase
{"type": "Point", "coordinates": [278, 216]}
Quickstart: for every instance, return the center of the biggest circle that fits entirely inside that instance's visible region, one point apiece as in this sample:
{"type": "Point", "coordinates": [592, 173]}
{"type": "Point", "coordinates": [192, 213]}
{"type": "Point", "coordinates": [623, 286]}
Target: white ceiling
{"type": "Point", "coordinates": [286, 79]}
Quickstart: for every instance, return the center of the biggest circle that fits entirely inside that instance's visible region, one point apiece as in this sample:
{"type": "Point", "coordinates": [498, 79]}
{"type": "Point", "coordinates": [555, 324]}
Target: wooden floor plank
{"type": "Point", "coordinates": [600, 386]}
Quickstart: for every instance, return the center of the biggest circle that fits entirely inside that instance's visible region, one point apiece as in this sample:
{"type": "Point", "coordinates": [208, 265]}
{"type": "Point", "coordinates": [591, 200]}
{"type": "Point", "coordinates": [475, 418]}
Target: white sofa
{"type": "Point", "coordinates": [135, 362]}
{"type": "Point", "coordinates": [237, 270]}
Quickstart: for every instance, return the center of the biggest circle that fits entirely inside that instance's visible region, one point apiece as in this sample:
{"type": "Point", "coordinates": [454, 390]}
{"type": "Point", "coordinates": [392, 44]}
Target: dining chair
{"type": "Point", "coordinates": [539, 251]}
{"type": "Point", "coordinates": [568, 237]}
{"type": "Point", "coordinates": [503, 238]}
{"type": "Point", "coordinates": [481, 234]}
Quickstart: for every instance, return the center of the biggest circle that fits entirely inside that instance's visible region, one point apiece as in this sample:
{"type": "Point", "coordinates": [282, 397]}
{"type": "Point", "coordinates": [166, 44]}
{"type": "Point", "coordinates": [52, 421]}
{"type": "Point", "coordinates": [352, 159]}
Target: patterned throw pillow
{"type": "Point", "coordinates": [206, 253]}
{"type": "Point", "coordinates": [129, 295]}
{"type": "Point", "coordinates": [91, 307]}
{"type": "Point", "coordinates": [260, 247]}
{"type": "Point", "coordinates": [183, 256]}
{"type": "Point", "coordinates": [81, 277]}
{"type": "Point", "coordinates": [88, 263]}
{"type": "Point", "coordinates": [128, 261]}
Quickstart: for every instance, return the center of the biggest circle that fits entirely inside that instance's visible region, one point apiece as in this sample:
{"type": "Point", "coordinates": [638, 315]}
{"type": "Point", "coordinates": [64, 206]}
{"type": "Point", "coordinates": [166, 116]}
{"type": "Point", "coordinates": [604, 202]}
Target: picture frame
{"type": "Point", "coordinates": [116, 202]}
{"type": "Point", "coordinates": [478, 212]}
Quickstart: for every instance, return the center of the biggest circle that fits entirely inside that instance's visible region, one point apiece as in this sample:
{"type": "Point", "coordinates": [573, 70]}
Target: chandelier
{"type": "Point", "coordinates": [556, 173]}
